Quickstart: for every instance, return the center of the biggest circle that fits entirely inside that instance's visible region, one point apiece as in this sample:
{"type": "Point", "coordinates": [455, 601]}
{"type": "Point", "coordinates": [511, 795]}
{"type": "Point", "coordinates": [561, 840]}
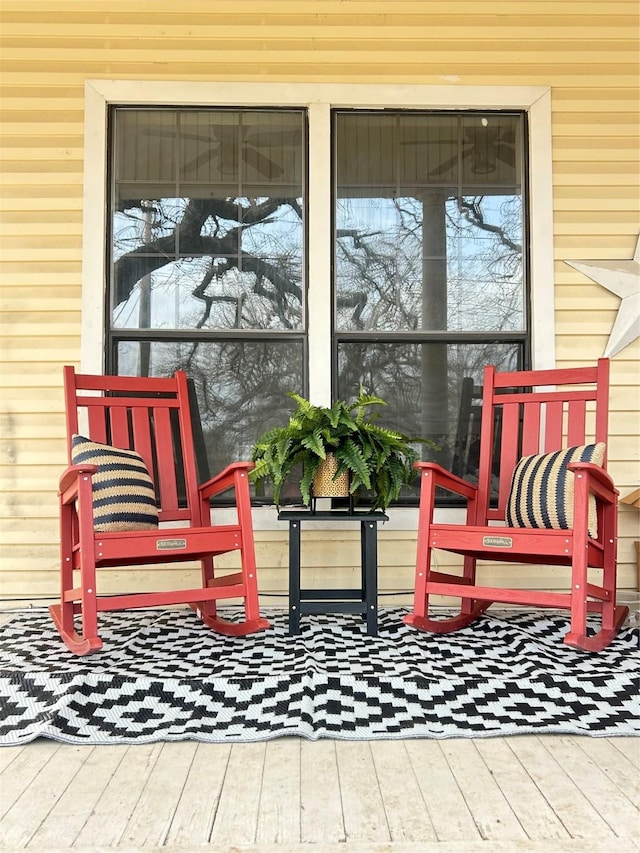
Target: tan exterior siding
{"type": "Point", "coordinates": [587, 52]}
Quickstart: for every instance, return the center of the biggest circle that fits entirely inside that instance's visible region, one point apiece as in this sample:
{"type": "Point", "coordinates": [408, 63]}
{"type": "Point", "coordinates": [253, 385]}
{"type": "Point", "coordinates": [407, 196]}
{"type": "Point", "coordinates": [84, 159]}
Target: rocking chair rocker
{"type": "Point", "coordinates": [133, 469]}
{"type": "Point", "coordinates": [555, 503]}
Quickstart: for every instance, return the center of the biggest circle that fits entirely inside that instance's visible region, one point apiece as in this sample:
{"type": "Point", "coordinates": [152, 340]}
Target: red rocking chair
{"type": "Point", "coordinates": [133, 467]}
{"type": "Point", "coordinates": [555, 503]}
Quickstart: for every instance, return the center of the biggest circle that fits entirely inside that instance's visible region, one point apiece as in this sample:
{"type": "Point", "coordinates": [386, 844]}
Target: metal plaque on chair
{"type": "Point", "coordinates": [170, 544]}
{"type": "Point", "coordinates": [497, 541]}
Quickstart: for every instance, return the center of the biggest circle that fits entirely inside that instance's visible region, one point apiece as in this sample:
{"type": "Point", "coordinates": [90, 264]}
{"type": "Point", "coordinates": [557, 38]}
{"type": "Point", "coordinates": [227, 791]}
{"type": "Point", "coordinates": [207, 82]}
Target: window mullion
{"type": "Point", "coordinates": [319, 253]}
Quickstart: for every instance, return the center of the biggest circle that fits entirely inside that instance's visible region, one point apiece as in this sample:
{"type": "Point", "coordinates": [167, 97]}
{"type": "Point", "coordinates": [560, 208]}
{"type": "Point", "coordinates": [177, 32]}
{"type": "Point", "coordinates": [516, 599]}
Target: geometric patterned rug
{"type": "Point", "coordinates": [162, 675]}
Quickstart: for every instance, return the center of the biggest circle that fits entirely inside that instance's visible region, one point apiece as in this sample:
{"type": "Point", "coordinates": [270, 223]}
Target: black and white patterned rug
{"type": "Point", "coordinates": [162, 675]}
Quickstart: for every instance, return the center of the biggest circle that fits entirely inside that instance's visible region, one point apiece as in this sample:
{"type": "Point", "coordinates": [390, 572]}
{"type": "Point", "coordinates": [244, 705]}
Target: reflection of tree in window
{"type": "Point", "coordinates": [274, 275]}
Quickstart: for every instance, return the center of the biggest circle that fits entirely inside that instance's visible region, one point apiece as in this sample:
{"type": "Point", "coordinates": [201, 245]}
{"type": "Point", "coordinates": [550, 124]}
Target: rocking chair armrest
{"type": "Point", "coordinates": [68, 483]}
{"type": "Point", "coordinates": [224, 480]}
{"type": "Point", "coordinates": [598, 481]}
{"type": "Point", "coordinates": [446, 480]}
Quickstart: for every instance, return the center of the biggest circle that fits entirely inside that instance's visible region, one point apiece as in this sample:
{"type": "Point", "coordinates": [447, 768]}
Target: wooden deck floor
{"type": "Point", "coordinates": [546, 793]}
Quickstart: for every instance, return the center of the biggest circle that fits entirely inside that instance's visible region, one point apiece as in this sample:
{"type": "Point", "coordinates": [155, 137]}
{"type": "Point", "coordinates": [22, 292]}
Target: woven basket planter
{"type": "Point", "coordinates": [324, 486]}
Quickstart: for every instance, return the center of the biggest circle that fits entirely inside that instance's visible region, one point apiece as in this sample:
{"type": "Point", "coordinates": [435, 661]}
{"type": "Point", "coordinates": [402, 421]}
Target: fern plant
{"type": "Point", "coordinates": [379, 460]}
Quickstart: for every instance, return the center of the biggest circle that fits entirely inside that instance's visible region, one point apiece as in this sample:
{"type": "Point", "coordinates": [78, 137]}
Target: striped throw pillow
{"type": "Point", "coordinates": [542, 489]}
{"type": "Point", "coordinates": [123, 493]}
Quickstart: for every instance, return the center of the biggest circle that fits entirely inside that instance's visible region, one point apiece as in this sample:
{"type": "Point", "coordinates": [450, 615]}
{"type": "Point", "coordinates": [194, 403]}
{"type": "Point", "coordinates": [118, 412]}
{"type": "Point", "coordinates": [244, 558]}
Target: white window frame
{"type": "Point", "coordinates": [318, 99]}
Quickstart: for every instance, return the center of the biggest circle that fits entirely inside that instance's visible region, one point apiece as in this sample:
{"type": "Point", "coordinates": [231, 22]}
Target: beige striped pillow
{"type": "Point", "coordinates": [542, 489]}
{"type": "Point", "coordinates": [123, 494]}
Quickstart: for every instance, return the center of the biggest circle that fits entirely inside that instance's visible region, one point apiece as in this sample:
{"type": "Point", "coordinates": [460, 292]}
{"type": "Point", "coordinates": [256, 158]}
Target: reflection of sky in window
{"type": "Point", "coordinates": [233, 302]}
{"type": "Point", "coordinates": [217, 226]}
{"type": "Point", "coordinates": [278, 234]}
{"type": "Point", "coordinates": [484, 274]}
{"type": "Point", "coordinates": [134, 226]}
{"type": "Point", "coordinates": [171, 287]}
{"type": "Point", "coordinates": [172, 304]}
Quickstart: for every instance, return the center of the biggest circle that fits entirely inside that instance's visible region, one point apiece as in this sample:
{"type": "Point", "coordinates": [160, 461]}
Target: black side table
{"type": "Point", "coordinates": [362, 600]}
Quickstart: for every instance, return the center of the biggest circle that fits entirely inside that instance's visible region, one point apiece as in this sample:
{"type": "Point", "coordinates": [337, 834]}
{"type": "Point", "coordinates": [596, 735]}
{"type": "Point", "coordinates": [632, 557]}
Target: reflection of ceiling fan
{"type": "Point", "coordinates": [485, 146]}
{"type": "Point", "coordinates": [224, 147]}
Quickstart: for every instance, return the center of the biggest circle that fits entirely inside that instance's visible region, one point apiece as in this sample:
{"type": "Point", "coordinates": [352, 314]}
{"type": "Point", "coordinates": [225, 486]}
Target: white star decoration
{"type": "Point", "coordinates": [623, 279]}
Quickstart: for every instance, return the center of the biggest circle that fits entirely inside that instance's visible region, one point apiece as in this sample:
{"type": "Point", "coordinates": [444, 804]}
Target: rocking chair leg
{"type": "Point", "coordinates": [423, 570]}
{"type": "Point", "coordinates": [445, 626]}
{"type": "Point", "coordinates": [231, 629]}
{"type": "Point", "coordinates": [602, 638]}
{"type": "Point", "coordinates": [72, 640]}
{"type": "Point", "coordinates": [577, 636]}
{"type": "Point", "coordinates": [609, 610]}
{"type": "Point", "coordinates": [63, 614]}
{"type": "Point", "coordinates": [612, 616]}
{"type": "Point", "coordinates": [470, 608]}
{"type": "Point", "coordinates": [207, 610]}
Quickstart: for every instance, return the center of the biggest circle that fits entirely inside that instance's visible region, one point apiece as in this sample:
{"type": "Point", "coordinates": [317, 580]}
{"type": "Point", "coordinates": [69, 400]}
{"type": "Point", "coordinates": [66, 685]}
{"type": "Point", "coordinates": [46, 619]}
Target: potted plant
{"type": "Point", "coordinates": [373, 458]}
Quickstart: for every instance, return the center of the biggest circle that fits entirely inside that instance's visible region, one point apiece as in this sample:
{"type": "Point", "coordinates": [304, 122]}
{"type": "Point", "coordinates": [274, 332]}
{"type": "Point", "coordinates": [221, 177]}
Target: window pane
{"type": "Point", "coordinates": [485, 287]}
{"type": "Point", "coordinates": [206, 293]}
{"type": "Point", "coordinates": [232, 147]}
{"type": "Point", "coordinates": [145, 147]}
{"type": "Point", "coordinates": [422, 384]}
{"type": "Point", "coordinates": [491, 149]}
{"type": "Point", "coordinates": [433, 239]}
{"type": "Point", "coordinates": [241, 387]}
{"type": "Point", "coordinates": [143, 225]}
{"type": "Point", "coordinates": [208, 219]}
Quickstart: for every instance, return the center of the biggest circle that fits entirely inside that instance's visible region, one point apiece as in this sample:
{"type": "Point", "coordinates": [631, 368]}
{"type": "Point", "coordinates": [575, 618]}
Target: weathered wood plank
{"type": "Point", "coordinates": [93, 792]}
{"type": "Point", "coordinates": [8, 755]}
{"type": "Point", "coordinates": [491, 811]}
{"type": "Point", "coordinates": [110, 815]}
{"type": "Point", "coordinates": [571, 846]}
{"type": "Point", "coordinates": [67, 817]}
{"type": "Point", "coordinates": [21, 772]}
{"type": "Point", "coordinates": [569, 803]}
{"type": "Point", "coordinates": [193, 818]}
{"type": "Point", "coordinates": [447, 808]}
{"type": "Point", "coordinates": [321, 818]}
{"type": "Point", "coordinates": [617, 766]}
{"type": "Point", "coordinates": [629, 747]}
{"type": "Point", "coordinates": [363, 809]}
{"type": "Point", "coordinates": [35, 803]}
{"type": "Point", "coordinates": [620, 814]}
{"type": "Point", "coordinates": [237, 815]}
{"type": "Point", "coordinates": [536, 816]}
{"type": "Point", "coordinates": [151, 818]}
{"type": "Point", "coordinates": [405, 808]}
{"type": "Point", "coordinates": [279, 812]}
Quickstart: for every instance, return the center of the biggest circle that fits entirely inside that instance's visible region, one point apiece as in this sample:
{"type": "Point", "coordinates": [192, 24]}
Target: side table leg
{"type": "Point", "coordinates": [369, 537]}
{"type": "Point", "coordinates": [294, 577]}
{"type": "Point", "coordinates": [363, 564]}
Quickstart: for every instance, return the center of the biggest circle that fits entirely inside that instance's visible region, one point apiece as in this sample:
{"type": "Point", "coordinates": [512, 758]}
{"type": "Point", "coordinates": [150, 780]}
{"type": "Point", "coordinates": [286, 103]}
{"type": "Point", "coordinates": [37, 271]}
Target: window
{"type": "Point", "coordinates": [430, 261]}
{"type": "Point", "coordinates": [206, 274]}
{"type": "Point", "coordinates": [349, 234]}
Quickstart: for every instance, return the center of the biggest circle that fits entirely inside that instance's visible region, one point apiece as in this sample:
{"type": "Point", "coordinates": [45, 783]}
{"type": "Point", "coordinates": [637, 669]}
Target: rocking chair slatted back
{"type": "Point", "coordinates": [537, 419]}
{"type": "Point", "coordinates": [158, 427]}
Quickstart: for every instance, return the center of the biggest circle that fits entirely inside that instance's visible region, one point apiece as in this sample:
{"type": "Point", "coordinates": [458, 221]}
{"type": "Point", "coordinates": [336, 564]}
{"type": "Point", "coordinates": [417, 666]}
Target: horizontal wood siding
{"type": "Point", "coordinates": [587, 52]}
